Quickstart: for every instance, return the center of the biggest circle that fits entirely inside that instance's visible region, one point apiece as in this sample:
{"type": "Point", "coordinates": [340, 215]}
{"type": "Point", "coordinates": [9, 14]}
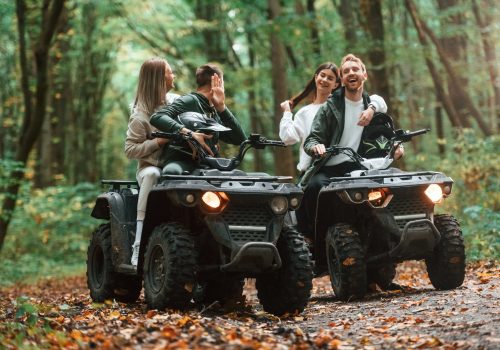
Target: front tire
{"type": "Point", "coordinates": [288, 289]}
{"type": "Point", "coordinates": [103, 282]}
{"type": "Point", "coordinates": [169, 266]}
{"type": "Point", "coordinates": [346, 262]}
{"type": "Point", "coordinates": [446, 265]}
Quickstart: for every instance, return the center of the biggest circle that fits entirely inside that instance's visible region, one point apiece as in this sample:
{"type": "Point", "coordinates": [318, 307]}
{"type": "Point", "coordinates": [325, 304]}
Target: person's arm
{"type": "Point", "coordinates": [320, 134]}
{"type": "Point", "coordinates": [137, 145]}
{"type": "Point", "coordinates": [163, 120]}
{"type": "Point", "coordinates": [377, 104]}
{"type": "Point", "coordinates": [236, 136]}
{"type": "Point", "coordinates": [288, 131]}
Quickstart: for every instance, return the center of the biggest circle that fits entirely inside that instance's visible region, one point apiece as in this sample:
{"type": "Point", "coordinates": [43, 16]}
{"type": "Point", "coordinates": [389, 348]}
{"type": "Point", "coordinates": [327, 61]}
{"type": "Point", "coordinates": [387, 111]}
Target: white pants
{"type": "Point", "coordinates": [147, 178]}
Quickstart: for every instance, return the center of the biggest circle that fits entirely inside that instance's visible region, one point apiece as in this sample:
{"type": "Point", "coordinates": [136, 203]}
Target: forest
{"type": "Point", "coordinates": [69, 72]}
{"type": "Point", "coordinates": [68, 77]}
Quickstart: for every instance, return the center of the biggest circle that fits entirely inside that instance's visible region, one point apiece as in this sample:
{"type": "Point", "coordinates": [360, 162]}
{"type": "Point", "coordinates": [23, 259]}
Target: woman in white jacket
{"type": "Point", "coordinates": [155, 80]}
{"type": "Point", "coordinates": [325, 80]}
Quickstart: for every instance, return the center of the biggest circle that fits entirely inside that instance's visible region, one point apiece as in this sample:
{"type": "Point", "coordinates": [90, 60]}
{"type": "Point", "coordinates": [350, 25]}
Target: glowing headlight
{"type": "Point", "coordinates": [211, 199]}
{"type": "Point", "coordinates": [434, 192]}
{"type": "Point", "coordinates": [214, 202]}
{"type": "Point", "coordinates": [279, 205]}
{"type": "Point", "coordinates": [374, 196]}
{"type": "Point", "coordinates": [379, 197]}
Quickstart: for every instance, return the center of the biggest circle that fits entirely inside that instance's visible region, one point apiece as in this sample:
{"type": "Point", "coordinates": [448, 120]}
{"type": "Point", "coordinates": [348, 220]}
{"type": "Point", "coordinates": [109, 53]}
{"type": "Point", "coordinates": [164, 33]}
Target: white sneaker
{"type": "Point", "coordinates": [135, 254]}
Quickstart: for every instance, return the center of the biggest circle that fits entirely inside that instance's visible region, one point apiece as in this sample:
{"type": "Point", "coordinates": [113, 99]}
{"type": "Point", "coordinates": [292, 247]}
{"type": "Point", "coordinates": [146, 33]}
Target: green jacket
{"type": "Point", "coordinates": [165, 119]}
{"type": "Point", "coordinates": [327, 129]}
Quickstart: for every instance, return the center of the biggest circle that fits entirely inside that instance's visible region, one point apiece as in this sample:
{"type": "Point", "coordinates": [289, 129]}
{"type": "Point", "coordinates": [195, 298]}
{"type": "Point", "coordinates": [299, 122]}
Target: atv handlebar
{"type": "Point", "coordinates": [400, 137]}
{"type": "Point", "coordinates": [405, 136]}
{"type": "Point", "coordinates": [254, 141]}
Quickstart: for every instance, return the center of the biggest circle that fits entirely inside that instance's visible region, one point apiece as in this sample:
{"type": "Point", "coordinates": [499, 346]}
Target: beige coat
{"type": "Point", "coordinates": [139, 144]}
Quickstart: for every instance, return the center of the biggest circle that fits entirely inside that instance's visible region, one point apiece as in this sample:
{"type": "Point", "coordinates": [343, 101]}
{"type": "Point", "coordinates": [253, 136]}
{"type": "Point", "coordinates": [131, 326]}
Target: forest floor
{"type": "Point", "coordinates": [59, 314]}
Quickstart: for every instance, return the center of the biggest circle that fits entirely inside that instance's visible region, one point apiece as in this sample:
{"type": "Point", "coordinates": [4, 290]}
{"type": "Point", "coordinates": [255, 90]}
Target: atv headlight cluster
{"type": "Point", "coordinates": [435, 193]}
{"type": "Point", "coordinates": [279, 205]}
{"type": "Point", "coordinates": [214, 202]}
{"type": "Point", "coordinates": [377, 197]}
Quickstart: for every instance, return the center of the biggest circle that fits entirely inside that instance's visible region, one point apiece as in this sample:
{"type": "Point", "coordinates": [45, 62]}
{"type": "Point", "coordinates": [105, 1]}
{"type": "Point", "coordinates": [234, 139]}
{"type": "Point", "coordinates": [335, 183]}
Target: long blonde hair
{"type": "Point", "coordinates": [152, 85]}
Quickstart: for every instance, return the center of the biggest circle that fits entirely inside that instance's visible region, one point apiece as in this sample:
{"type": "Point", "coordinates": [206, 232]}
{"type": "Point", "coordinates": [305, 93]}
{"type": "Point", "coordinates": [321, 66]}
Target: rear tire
{"type": "Point", "coordinates": [446, 266]}
{"type": "Point", "coordinates": [103, 282]}
{"type": "Point", "coordinates": [169, 266]}
{"type": "Point", "coordinates": [100, 275]}
{"type": "Point", "coordinates": [288, 289]}
{"type": "Point", "coordinates": [346, 262]}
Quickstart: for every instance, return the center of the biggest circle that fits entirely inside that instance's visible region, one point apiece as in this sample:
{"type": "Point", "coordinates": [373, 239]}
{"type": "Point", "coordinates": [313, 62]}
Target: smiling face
{"type": "Point", "coordinates": [169, 77]}
{"type": "Point", "coordinates": [353, 76]}
{"type": "Point", "coordinates": [326, 81]}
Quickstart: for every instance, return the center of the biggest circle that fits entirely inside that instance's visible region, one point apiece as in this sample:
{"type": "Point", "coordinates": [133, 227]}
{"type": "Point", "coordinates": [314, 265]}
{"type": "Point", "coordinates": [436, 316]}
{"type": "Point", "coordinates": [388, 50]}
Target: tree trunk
{"type": "Point", "coordinates": [208, 10]}
{"type": "Point", "coordinates": [371, 11]}
{"type": "Point", "coordinates": [34, 110]}
{"type": "Point", "coordinates": [283, 157]}
{"type": "Point", "coordinates": [252, 99]}
{"type": "Point", "coordinates": [455, 47]}
{"type": "Point", "coordinates": [440, 131]}
{"type": "Point", "coordinates": [313, 24]}
{"type": "Point", "coordinates": [485, 23]}
{"type": "Point", "coordinates": [346, 9]}
{"type": "Point", "coordinates": [423, 29]}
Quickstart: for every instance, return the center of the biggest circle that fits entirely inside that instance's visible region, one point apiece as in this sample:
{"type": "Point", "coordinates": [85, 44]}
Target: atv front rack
{"type": "Point", "coordinates": [117, 184]}
{"type": "Point", "coordinates": [228, 178]}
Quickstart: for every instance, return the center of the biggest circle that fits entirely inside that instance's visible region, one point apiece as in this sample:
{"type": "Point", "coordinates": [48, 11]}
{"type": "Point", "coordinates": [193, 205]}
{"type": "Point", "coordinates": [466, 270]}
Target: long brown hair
{"type": "Point", "coordinates": [311, 84]}
{"type": "Point", "coordinates": [152, 85]}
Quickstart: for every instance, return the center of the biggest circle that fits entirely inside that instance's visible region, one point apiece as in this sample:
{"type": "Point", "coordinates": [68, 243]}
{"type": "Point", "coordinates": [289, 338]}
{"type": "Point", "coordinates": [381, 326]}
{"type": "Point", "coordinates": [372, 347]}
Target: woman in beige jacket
{"type": "Point", "coordinates": [155, 80]}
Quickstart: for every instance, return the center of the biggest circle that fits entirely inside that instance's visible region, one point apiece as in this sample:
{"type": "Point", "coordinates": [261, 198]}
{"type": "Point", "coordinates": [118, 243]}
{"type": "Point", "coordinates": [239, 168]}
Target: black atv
{"type": "Point", "coordinates": [369, 220]}
{"type": "Point", "coordinates": [203, 234]}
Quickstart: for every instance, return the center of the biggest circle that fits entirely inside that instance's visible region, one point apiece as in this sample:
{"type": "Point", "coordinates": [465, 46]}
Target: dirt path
{"type": "Point", "coordinates": [59, 314]}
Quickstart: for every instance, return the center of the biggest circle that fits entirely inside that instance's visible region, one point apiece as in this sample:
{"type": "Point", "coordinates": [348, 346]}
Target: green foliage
{"type": "Point", "coordinates": [475, 201]}
{"type": "Point", "coordinates": [49, 232]}
{"type": "Point", "coordinates": [29, 324]}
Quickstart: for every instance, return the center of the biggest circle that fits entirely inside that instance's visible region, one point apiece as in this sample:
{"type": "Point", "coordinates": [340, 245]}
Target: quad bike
{"type": "Point", "coordinates": [204, 232]}
{"type": "Point", "coordinates": [371, 219]}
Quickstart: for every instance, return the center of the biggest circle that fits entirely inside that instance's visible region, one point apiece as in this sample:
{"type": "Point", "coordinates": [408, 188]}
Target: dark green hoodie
{"type": "Point", "coordinates": [165, 119]}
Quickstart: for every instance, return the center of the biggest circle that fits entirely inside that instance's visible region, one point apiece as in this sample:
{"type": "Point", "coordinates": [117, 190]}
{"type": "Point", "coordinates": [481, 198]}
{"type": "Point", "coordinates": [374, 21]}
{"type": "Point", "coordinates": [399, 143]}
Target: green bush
{"type": "Point", "coordinates": [49, 232]}
{"type": "Point", "coordinates": [473, 164]}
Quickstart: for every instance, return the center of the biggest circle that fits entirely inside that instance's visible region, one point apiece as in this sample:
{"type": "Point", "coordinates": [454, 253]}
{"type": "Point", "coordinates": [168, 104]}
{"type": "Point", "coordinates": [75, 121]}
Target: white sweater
{"type": "Point", "coordinates": [297, 129]}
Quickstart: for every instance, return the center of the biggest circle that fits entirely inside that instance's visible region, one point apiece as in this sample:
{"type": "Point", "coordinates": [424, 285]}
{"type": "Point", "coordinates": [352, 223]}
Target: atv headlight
{"type": "Point", "coordinates": [214, 201]}
{"type": "Point", "coordinates": [434, 192]}
{"type": "Point", "coordinates": [379, 197]}
{"type": "Point", "coordinates": [279, 205]}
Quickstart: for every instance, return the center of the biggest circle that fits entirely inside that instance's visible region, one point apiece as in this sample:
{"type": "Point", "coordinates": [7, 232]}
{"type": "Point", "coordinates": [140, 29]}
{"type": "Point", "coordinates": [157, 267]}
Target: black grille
{"type": "Point", "coordinates": [254, 215]}
{"type": "Point", "coordinates": [257, 215]}
{"type": "Point", "coordinates": [409, 205]}
{"type": "Point", "coordinates": [248, 236]}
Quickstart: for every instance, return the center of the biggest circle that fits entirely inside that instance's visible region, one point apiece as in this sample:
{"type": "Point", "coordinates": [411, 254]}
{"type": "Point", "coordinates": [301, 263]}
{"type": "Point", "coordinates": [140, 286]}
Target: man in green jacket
{"type": "Point", "coordinates": [209, 100]}
{"type": "Point", "coordinates": [339, 121]}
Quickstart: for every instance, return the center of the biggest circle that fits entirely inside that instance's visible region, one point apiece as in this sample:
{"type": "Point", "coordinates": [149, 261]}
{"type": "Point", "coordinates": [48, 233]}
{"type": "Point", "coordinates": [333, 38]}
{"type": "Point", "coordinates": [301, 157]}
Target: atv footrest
{"type": "Point", "coordinates": [254, 257]}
